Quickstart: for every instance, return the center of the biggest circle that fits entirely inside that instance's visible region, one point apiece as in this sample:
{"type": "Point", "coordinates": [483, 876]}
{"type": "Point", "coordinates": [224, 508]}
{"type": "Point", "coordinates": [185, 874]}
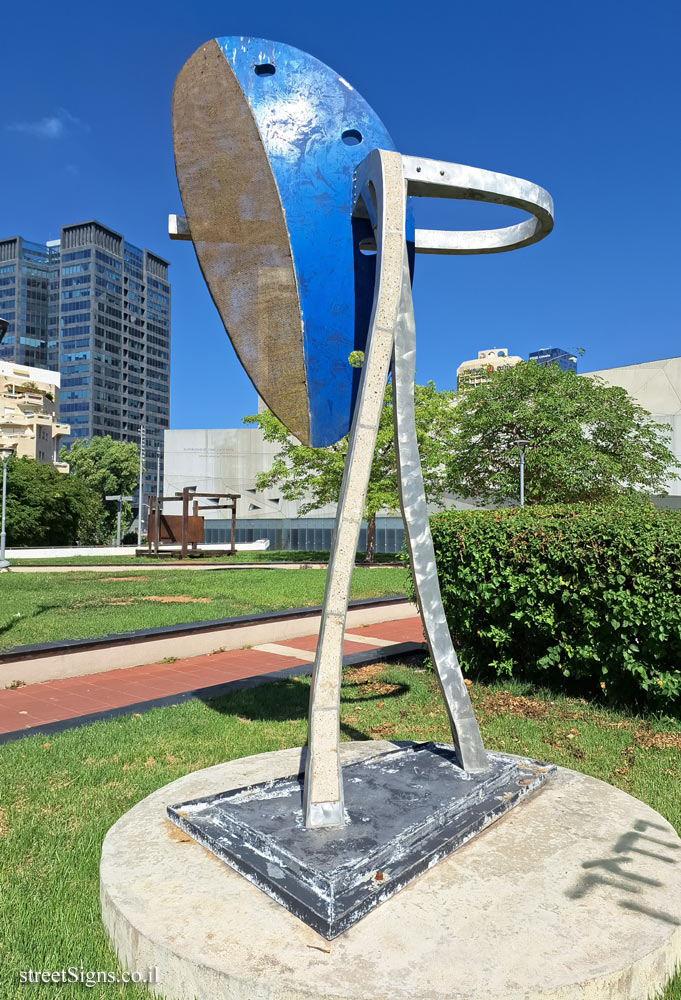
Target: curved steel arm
{"type": "Point", "coordinates": [437, 179]}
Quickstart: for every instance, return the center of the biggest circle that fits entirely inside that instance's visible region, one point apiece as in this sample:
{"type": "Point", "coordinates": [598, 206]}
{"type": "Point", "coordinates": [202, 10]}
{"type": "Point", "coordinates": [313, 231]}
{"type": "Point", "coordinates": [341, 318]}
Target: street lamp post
{"type": "Point", "coordinates": [140, 488]}
{"type": "Point", "coordinates": [521, 445]}
{"type": "Point", "coordinates": [5, 455]}
{"type": "Point", "coordinates": [120, 499]}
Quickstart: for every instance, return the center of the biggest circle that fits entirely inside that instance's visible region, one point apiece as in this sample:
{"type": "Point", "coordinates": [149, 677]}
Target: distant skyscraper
{"type": "Point", "coordinates": [555, 356]}
{"type": "Point", "coordinates": [97, 309]}
{"type": "Point", "coordinates": [25, 271]}
{"type": "Point", "coordinates": [472, 373]}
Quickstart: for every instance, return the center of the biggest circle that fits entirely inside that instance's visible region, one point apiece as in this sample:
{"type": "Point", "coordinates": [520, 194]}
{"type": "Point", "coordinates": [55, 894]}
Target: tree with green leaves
{"type": "Point", "coordinates": [107, 467]}
{"type": "Point", "coordinates": [314, 475]}
{"type": "Point", "coordinates": [587, 441]}
{"type": "Point", "coordinates": [46, 507]}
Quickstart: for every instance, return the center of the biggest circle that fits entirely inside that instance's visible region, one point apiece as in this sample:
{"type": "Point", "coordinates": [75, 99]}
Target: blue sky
{"type": "Point", "coordinates": [582, 98]}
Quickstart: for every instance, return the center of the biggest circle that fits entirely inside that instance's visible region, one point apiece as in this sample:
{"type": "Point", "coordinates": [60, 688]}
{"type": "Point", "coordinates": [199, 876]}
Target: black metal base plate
{"type": "Point", "coordinates": [405, 811]}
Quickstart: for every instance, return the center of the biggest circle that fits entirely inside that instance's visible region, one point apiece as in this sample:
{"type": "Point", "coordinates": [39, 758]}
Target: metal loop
{"type": "Point", "coordinates": [438, 179]}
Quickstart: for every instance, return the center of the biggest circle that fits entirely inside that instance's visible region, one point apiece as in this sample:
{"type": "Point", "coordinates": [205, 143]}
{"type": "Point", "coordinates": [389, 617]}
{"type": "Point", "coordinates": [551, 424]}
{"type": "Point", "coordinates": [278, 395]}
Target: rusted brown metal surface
{"type": "Point", "coordinates": [185, 529]}
{"type": "Point", "coordinates": [170, 529]}
{"type": "Point", "coordinates": [239, 231]}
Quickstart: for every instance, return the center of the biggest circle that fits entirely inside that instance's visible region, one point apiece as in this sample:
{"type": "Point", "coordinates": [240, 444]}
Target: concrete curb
{"type": "Point", "coordinates": [79, 657]}
{"type": "Point", "coordinates": [360, 659]}
{"type": "Point", "coordinates": [27, 567]}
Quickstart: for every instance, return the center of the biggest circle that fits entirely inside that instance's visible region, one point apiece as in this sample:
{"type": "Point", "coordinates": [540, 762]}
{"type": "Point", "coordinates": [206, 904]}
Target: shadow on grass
{"type": "Point", "coordinates": [20, 619]}
{"type": "Point", "coordinates": [288, 701]}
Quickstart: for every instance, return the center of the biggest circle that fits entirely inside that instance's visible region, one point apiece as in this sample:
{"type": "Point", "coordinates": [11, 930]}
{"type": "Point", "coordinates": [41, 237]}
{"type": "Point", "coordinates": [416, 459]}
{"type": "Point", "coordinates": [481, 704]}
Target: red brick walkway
{"type": "Point", "coordinates": [72, 698]}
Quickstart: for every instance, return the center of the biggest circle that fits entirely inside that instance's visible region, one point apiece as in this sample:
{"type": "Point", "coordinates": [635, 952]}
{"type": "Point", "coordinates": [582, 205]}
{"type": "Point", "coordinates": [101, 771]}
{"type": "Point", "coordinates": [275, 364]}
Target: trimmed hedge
{"type": "Point", "coordinates": [592, 592]}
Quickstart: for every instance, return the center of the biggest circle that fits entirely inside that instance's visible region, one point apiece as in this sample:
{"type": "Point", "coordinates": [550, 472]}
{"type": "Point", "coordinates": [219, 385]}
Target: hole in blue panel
{"type": "Point", "coordinates": [264, 69]}
{"type": "Point", "coordinates": [367, 247]}
{"type": "Point", "coordinates": [351, 137]}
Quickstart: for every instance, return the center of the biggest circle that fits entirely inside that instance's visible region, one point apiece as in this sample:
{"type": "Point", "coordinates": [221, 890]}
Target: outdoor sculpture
{"type": "Point", "coordinates": [301, 213]}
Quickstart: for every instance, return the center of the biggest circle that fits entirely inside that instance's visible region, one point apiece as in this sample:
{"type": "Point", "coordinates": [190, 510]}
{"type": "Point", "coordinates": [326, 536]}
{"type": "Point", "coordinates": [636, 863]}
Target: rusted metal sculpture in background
{"type": "Point", "coordinates": [185, 529]}
{"type": "Point", "coordinates": [300, 210]}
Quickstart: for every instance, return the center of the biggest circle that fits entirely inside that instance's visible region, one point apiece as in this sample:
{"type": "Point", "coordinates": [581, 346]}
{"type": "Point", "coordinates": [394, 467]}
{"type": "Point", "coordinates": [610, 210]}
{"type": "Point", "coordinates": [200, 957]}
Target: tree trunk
{"type": "Point", "coordinates": [371, 541]}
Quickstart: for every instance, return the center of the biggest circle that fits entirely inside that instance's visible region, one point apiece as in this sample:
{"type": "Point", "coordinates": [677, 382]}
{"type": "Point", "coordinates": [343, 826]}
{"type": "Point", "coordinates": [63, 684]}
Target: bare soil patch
{"type": "Point", "coordinates": [648, 740]}
{"type": "Point", "coordinates": [177, 599]}
{"type": "Point", "coordinates": [505, 703]}
{"type": "Point", "coordinates": [385, 731]}
{"type": "Point", "coordinates": [362, 675]}
{"type": "Point", "coordinates": [115, 579]}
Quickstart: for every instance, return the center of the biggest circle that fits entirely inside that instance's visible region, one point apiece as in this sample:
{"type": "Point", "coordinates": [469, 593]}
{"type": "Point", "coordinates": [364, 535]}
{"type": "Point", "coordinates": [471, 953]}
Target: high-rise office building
{"type": "Point", "coordinates": [555, 356]}
{"type": "Point", "coordinates": [25, 272]}
{"type": "Point", "coordinates": [97, 309]}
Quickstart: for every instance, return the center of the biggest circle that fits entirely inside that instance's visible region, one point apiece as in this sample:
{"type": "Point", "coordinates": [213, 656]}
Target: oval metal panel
{"type": "Point", "coordinates": [267, 139]}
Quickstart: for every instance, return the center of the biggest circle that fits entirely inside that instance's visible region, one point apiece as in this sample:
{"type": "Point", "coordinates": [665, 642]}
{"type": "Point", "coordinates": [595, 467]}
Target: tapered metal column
{"type": "Point", "coordinates": [323, 794]}
{"type": "Point", "coordinates": [462, 721]}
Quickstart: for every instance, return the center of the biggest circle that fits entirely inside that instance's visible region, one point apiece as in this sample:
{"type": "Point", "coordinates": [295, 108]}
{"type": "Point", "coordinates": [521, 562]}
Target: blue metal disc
{"type": "Point", "coordinates": [315, 129]}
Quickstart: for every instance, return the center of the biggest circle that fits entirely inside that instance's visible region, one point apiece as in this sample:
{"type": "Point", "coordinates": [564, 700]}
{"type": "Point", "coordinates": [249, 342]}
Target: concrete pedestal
{"type": "Point", "coordinates": [574, 895]}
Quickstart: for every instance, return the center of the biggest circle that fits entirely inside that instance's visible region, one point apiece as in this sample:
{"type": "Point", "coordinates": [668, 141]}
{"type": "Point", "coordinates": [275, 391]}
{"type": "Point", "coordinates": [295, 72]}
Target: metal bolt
{"type": "Point", "coordinates": [418, 170]}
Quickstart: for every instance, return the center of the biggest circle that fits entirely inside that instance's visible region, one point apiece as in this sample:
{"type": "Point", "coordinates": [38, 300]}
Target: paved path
{"type": "Point", "coordinates": [65, 551]}
{"type": "Point", "coordinates": [73, 701]}
{"type": "Point", "coordinates": [123, 568]}
{"type": "Point", "coordinates": [194, 566]}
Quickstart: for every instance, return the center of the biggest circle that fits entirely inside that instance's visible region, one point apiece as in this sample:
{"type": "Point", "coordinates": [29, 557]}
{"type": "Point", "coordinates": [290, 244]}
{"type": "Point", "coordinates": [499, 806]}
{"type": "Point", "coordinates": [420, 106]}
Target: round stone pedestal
{"type": "Point", "coordinates": [573, 895]}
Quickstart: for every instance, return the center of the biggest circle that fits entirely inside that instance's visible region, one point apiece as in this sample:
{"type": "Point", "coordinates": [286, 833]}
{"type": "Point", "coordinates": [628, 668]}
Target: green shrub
{"type": "Point", "coordinates": [44, 506]}
{"type": "Point", "coordinates": [590, 592]}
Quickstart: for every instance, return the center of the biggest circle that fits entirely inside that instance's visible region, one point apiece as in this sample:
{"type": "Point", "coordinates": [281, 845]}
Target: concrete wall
{"type": "Point", "coordinates": [228, 461]}
{"type": "Point", "coordinates": [656, 386]}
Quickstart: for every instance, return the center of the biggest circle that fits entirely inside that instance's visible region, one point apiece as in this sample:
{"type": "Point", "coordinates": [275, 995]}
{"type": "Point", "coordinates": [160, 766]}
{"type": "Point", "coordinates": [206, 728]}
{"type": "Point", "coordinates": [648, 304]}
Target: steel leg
{"type": "Point", "coordinates": [323, 794]}
{"type": "Point", "coordinates": [465, 731]}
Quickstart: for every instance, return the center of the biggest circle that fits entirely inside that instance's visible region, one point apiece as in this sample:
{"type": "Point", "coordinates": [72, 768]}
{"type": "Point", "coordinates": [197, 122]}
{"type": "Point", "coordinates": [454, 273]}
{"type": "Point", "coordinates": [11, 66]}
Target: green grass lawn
{"type": "Point", "coordinates": [40, 607]}
{"type": "Point", "coordinates": [246, 556]}
{"type": "Point", "coordinates": [60, 794]}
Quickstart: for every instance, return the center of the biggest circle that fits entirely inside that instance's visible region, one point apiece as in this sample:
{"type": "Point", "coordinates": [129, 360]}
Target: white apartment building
{"type": "Point", "coordinates": [473, 373]}
{"type": "Point", "coordinates": [28, 413]}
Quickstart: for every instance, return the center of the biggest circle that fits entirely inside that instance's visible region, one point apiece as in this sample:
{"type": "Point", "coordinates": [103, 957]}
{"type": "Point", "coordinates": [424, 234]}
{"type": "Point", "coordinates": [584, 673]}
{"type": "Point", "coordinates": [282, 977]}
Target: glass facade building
{"type": "Point", "coordinates": [555, 356]}
{"type": "Point", "coordinates": [97, 309]}
{"type": "Point", "coordinates": [25, 272]}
